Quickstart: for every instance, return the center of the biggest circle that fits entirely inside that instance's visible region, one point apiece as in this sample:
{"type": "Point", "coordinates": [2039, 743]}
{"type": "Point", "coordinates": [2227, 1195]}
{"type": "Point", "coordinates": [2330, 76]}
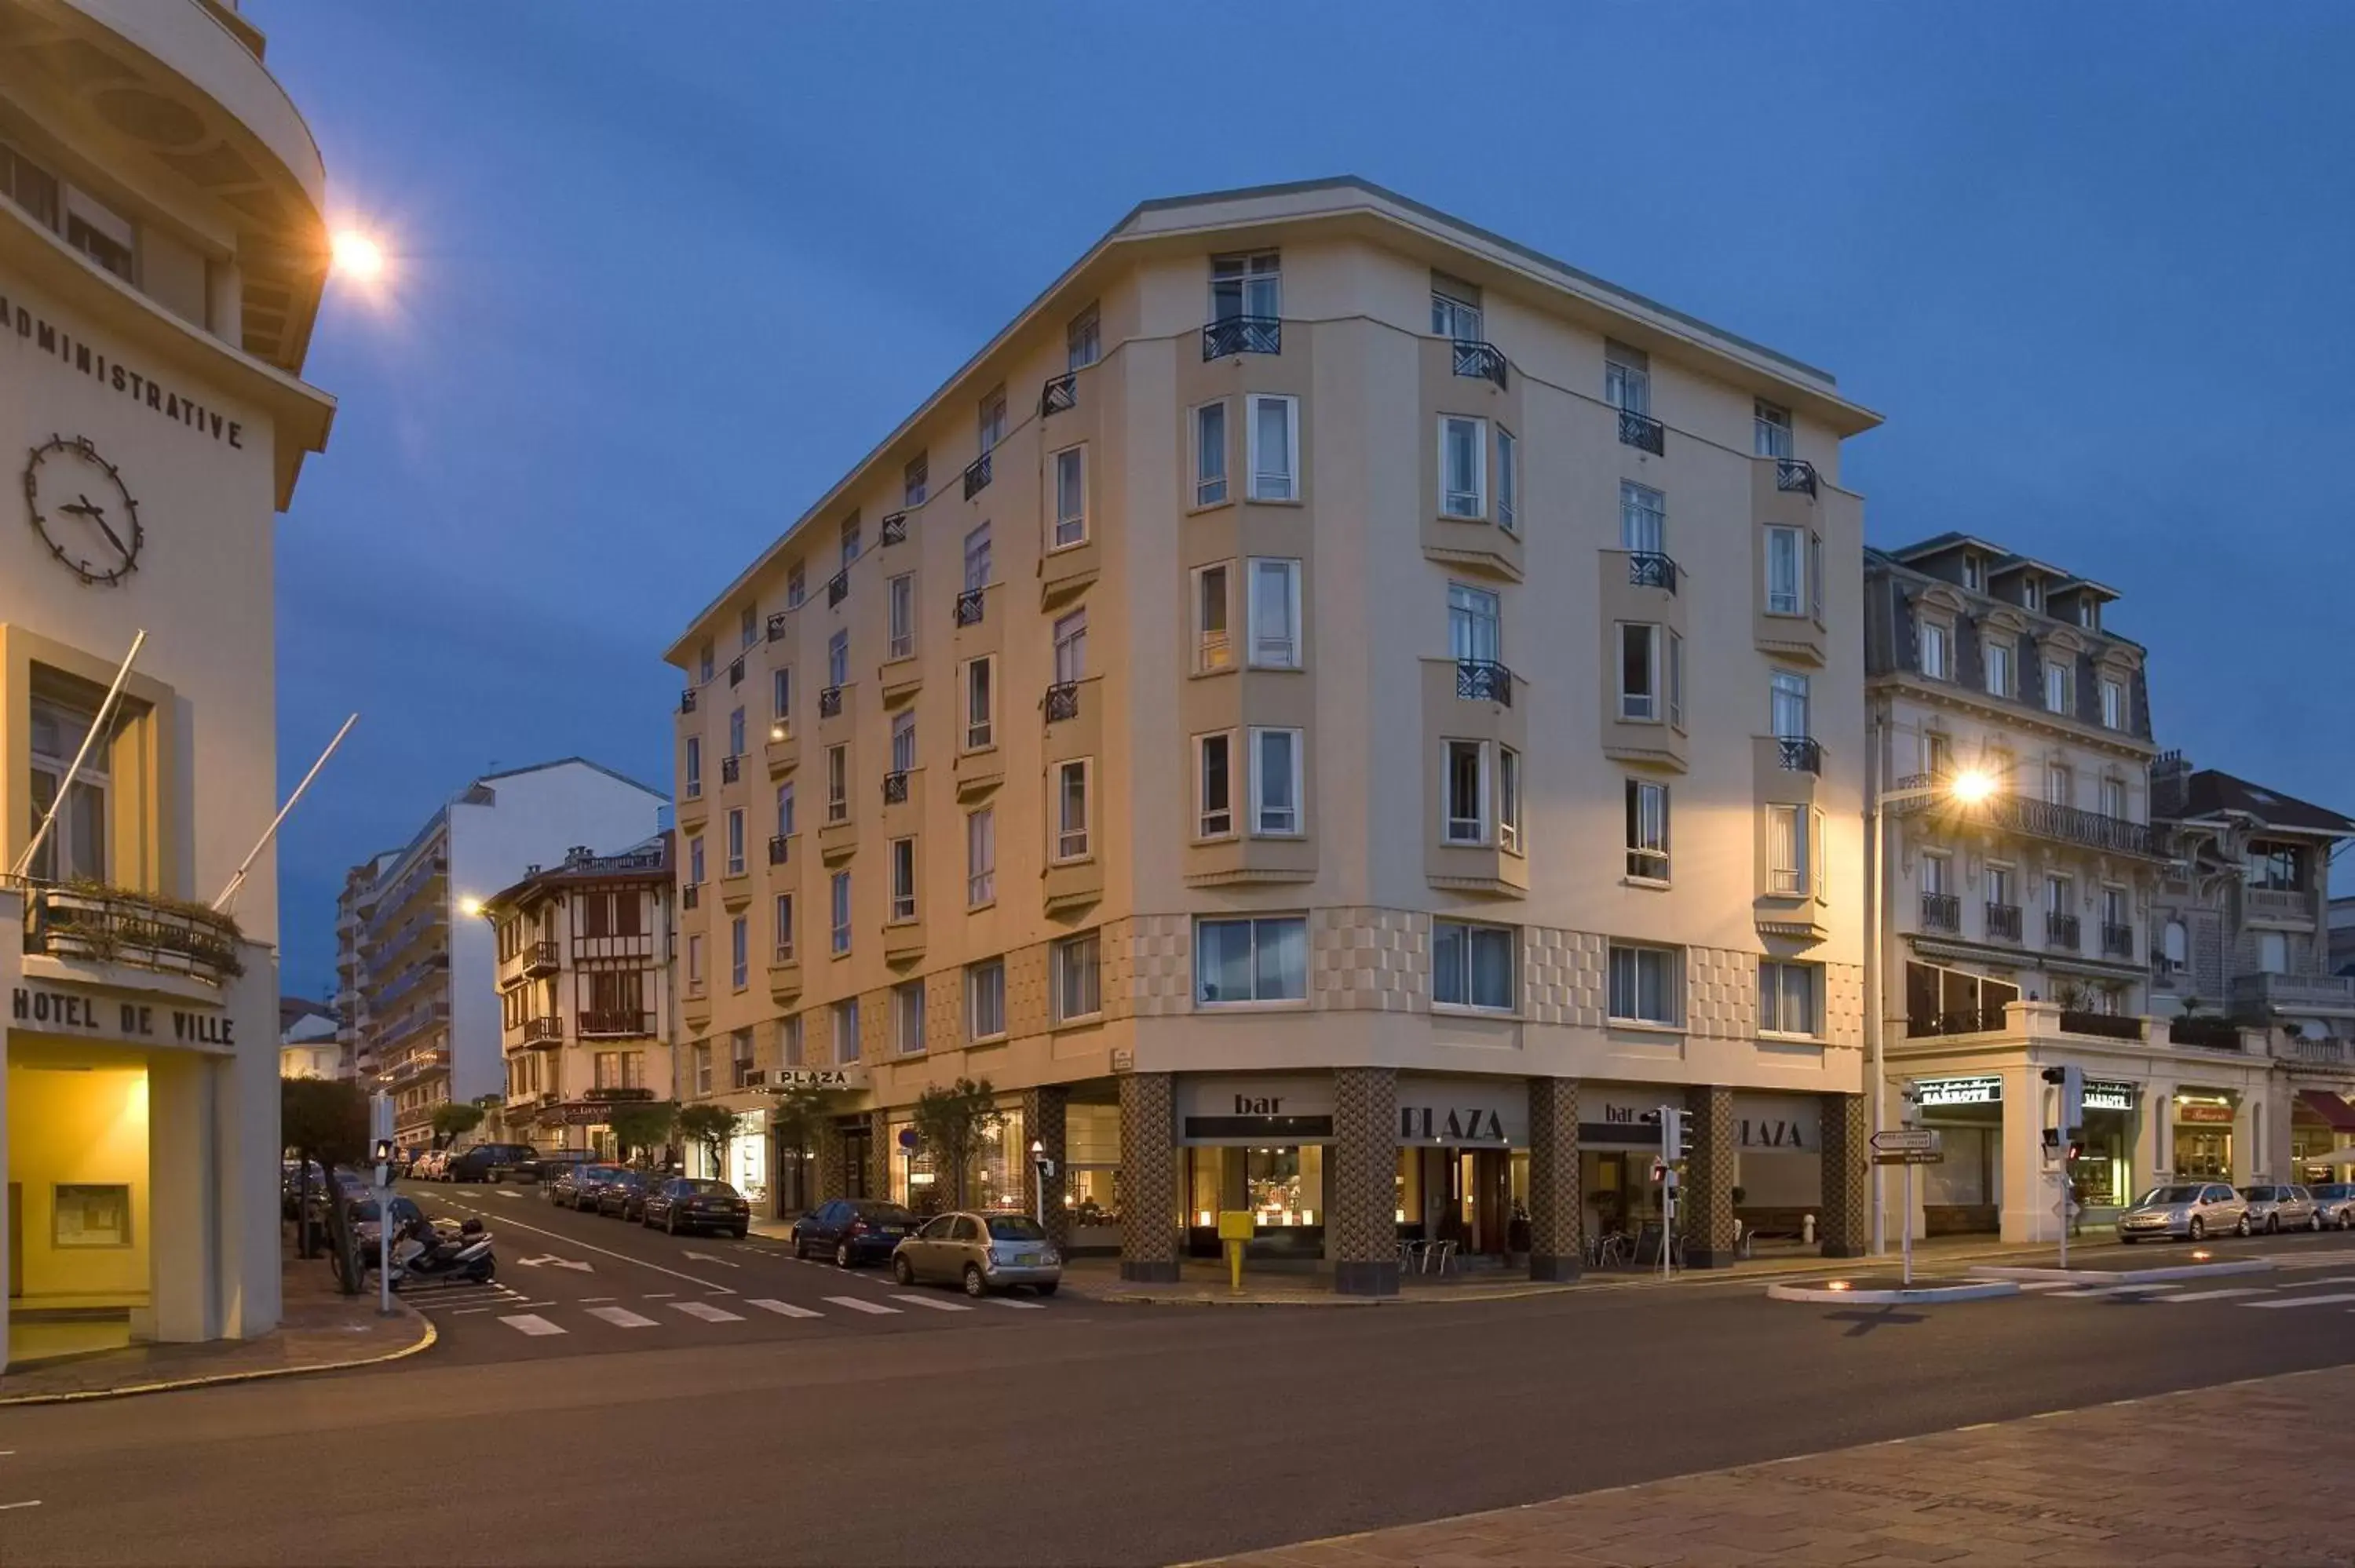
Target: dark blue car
{"type": "Point", "coordinates": [853, 1231]}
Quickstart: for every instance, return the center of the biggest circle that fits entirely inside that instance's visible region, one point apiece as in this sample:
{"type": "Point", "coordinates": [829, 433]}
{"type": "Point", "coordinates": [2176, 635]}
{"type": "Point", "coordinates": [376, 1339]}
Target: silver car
{"type": "Point", "coordinates": [981, 1250]}
{"type": "Point", "coordinates": [2334, 1204]}
{"type": "Point", "coordinates": [2192, 1210]}
{"type": "Point", "coordinates": [2281, 1207]}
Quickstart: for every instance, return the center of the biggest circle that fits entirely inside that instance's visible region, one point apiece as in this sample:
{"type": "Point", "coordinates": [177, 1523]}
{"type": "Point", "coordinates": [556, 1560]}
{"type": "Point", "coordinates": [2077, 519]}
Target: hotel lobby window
{"type": "Point", "coordinates": [75, 846]}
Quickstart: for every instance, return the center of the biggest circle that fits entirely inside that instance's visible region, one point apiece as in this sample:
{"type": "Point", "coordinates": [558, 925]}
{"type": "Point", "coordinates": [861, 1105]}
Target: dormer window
{"type": "Point", "coordinates": [2089, 614]}
{"type": "Point", "coordinates": [2031, 593]}
{"type": "Point", "coordinates": [1974, 574]}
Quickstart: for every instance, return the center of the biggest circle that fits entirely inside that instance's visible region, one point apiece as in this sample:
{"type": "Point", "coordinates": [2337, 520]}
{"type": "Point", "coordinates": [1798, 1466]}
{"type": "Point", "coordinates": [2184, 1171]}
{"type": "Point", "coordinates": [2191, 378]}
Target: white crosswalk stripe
{"type": "Point", "coordinates": [936, 1303]}
{"type": "Point", "coordinates": [707, 1311]}
{"type": "Point", "coordinates": [622, 1316]}
{"type": "Point", "coordinates": [2150, 1289]}
{"type": "Point", "coordinates": [860, 1304]}
{"type": "Point", "coordinates": [1013, 1301]}
{"type": "Point", "coordinates": [2218, 1295]}
{"type": "Point", "coordinates": [785, 1308]}
{"type": "Point", "coordinates": [532, 1324]}
{"type": "Point", "coordinates": [2305, 1300]}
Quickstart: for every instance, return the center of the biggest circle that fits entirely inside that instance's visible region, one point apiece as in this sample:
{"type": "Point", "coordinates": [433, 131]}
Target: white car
{"type": "Point", "coordinates": [2191, 1210]}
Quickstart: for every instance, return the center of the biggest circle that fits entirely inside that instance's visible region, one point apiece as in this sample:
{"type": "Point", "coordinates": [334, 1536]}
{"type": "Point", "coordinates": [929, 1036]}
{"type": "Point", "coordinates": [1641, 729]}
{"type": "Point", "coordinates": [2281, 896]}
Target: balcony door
{"type": "Point", "coordinates": [75, 846]}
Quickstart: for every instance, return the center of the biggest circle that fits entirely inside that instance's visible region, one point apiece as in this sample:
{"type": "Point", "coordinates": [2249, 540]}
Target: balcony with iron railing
{"type": "Point", "coordinates": [1941, 912]}
{"type": "Point", "coordinates": [100, 924]}
{"type": "Point", "coordinates": [838, 587]}
{"type": "Point", "coordinates": [2003, 922]}
{"type": "Point", "coordinates": [538, 958]}
{"type": "Point", "coordinates": [970, 606]}
{"type": "Point", "coordinates": [2061, 931]}
{"type": "Point", "coordinates": [2034, 819]}
{"type": "Point", "coordinates": [1060, 395]}
{"type": "Point", "coordinates": [976, 476]}
{"type": "Point", "coordinates": [686, 701]}
{"type": "Point", "coordinates": [736, 671]}
{"type": "Point", "coordinates": [732, 768]}
{"type": "Point", "coordinates": [780, 847]}
{"type": "Point", "coordinates": [1063, 701]}
{"type": "Point", "coordinates": [614, 1023]}
{"type": "Point", "coordinates": [1799, 753]}
{"type": "Point", "coordinates": [1483, 360]}
{"type": "Point", "coordinates": [543, 1032]}
{"type": "Point", "coordinates": [895, 788]}
{"type": "Point", "coordinates": [1643, 431]}
{"type": "Point", "coordinates": [1649, 569]}
{"type": "Point", "coordinates": [2117, 941]}
{"type": "Point", "coordinates": [1484, 680]}
{"type": "Point", "coordinates": [829, 701]}
{"type": "Point", "coordinates": [895, 529]}
{"type": "Point", "coordinates": [1794, 474]}
{"type": "Point", "coordinates": [1231, 336]}
{"type": "Point", "coordinates": [776, 629]}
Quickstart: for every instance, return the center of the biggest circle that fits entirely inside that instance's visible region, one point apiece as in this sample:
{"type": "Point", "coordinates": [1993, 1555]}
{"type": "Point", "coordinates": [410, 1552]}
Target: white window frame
{"type": "Point", "coordinates": [979, 676]}
{"type": "Point", "coordinates": [1999, 659]}
{"type": "Point", "coordinates": [747, 626]}
{"type": "Point", "coordinates": [735, 840]}
{"type": "Point", "coordinates": [1265, 652]}
{"type": "Point", "coordinates": [2114, 703]}
{"type": "Point", "coordinates": [1069, 525]}
{"type": "Point", "coordinates": [837, 783]}
{"type": "Point", "coordinates": [1072, 646]}
{"type": "Point", "coordinates": [978, 563]}
{"type": "Point", "coordinates": [1472, 831]}
{"type": "Point", "coordinates": [903, 741]}
{"type": "Point", "coordinates": [1670, 961]}
{"type": "Point", "coordinates": [900, 600]}
{"type": "Point", "coordinates": [796, 586]}
{"type": "Point", "coordinates": [1467, 999]}
{"type": "Point", "coordinates": [1508, 481]}
{"type": "Point", "coordinates": [837, 658]}
{"type": "Point", "coordinates": [1470, 505]}
{"type": "Point", "coordinates": [1783, 984]}
{"type": "Point", "coordinates": [989, 421]}
{"type": "Point", "coordinates": [1212, 488]}
{"type": "Point", "coordinates": [781, 697]}
{"type": "Point", "coordinates": [981, 858]}
{"type": "Point", "coordinates": [782, 915]}
{"type": "Point", "coordinates": [1476, 623]}
{"type": "Point", "coordinates": [838, 908]}
{"type": "Point", "coordinates": [1647, 852]}
{"type": "Point", "coordinates": [1770, 431]}
{"type": "Point", "coordinates": [1795, 686]}
{"type": "Point", "coordinates": [740, 953]}
{"type": "Point", "coordinates": [1937, 641]}
{"type": "Point", "coordinates": [1079, 957]}
{"type": "Point", "coordinates": [845, 1031]}
{"type": "Point", "coordinates": [986, 980]}
{"type": "Point", "coordinates": [1642, 519]}
{"type": "Point", "coordinates": [1452, 312]}
{"type": "Point", "coordinates": [1083, 340]}
{"type": "Point", "coordinates": [1508, 800]}
{"type": "Point", "coordinates": [1073, 843]}
{"type": "Point", "coordinates": [1627, 378]}
{"type": "Point", "coordinates": [903, 880]}
{"type": "Point", "coordinates": [1267, 484]}
{"type": "Point", "coordinates": [1789, 858]}
{"type": "Point", "coordinates": [908, 1018]}
{"type": "Point", "coordinates": [2060, 784]}
{"type": "Point", "coordinates": [1782, 599]}
{"type": "Point", "coordinates": [916, 479]}
{"type": "Point", "coordinates": [1253, 923]}
{"type": "Point", "coordinates": [1214, 822]}
{"type": "Point", "coordinates": [692, 767]}
{"type": "Point", "coordinates": [2057, 683]}
{"type": "Point", "coordinates": [1214, 649]}
{"type": "Point", "coordinates": [850, 539]}
{"type": "Point", "coordinates": [1296, 807]}
{"type": "Point", "coordinates": [1638, 707]}
{"type": "Point", "coordinates": [1254, 277]}
{"type": "Point", "coordinates": [2112, 795]}
{"type": "Point", "coordinates": [695, 860]}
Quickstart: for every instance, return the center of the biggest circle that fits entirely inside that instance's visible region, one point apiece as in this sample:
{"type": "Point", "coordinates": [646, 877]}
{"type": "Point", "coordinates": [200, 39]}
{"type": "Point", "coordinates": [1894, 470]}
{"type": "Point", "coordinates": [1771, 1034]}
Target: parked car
{"type": "Point", "coordinates": [428, 1164]}
{"type": "Point", "coordinates": [362, 1217]}
{"type": "Point", "coordinates": [686, 1203]}
{"type": "Point", "coordinates": [622, 1196]}
{"type": "Point", "coordinates": [2334, 1204]}
{"type": "Point", "coordinates": [477, 1163]}
{"type": "Point", "coordinates": [289, 1184]}
{"type": "Point", "coordinates": [983, 1251]}
{"type": "Point", "coordinates": [2281, 1207]}
{"type": "Point", "coordinates": [576, 1186]}
{"type": "Point", "coordinates": [544, 1165]}
{"type": "Point", "coordinates": [853, 1231]}
{"type": "Point", "coordinates": [2192, 1210]}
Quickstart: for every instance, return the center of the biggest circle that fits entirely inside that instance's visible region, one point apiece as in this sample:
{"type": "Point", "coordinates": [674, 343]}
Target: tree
{"type": "Point", "coordinates": [641, 1124]}
{"type": "Point", "coordinates": [801, 1119]}
{"type": "Point", "coordinates": [325, 1121]}
{"type": "Point", "coordinates": [950, 1121]}
{"type": "Point", "coordinates": [711, 1126]}
{"type": "Point", "coordinates": [453, 1121]}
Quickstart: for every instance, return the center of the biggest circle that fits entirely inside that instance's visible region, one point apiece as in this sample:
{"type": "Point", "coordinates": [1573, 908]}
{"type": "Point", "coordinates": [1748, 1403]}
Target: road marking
{"type": "Point", "coordinates": [531, 1323]}
{"type": "Point", "coordinates": [507, 1192]}
{"type": "Point", "coordinates": [785, 1308]}
{"type": "Point", "coordinates": [658, 1294]}
{"type": "Point", "coordinates": [935, 1302]}
{"type": "Point", "coordinates": [707, 1311]}
{"type": "Point", "coordinates": [608, 1252]}
{"type": "Point", "coordinates": [622, 1316]}
{"type": "Point", "coordinates": [1010, 1301]}
{"type": "Point", "coordinates": [2335, 1279]}
{"type": "Point", "coordinates": [34, 1502]}
{"type": "Point", "coordinates": [467, 1311]}
{"type": "Point", "coordinates": [550, 1257]}
{"type": "Point", "coordinates": [2110, 1290]}
{"type": "Point", "coordinates": [2039, 1285]}
{"type": "Point", "coordinates": [706, 1258]}
{"type": "Point", "coordinates": [858, 1304]}
{"type": "Point", "coordinates": [2220, 1295]}
{"type": "Point", "coordinates": [2304, 1300]}
{"type": "Point", "coordinates": [585, 1300]}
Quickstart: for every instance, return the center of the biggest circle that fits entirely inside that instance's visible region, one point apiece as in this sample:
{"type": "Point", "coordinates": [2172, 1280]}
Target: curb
{"type": "Point", "coordinates": [2127, 1275]}
{"type": "Point", "coordinates": [174, 1385]}
{"type": "Point", "coordinates": [1983, 1291]}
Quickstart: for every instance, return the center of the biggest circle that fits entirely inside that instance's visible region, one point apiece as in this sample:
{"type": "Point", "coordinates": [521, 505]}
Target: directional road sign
{"type": "Point", "coordinates": [1906, 1141]}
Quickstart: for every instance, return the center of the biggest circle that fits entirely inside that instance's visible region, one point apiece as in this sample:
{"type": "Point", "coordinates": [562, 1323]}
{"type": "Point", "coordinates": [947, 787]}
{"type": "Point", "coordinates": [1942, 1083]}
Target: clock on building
{"type": "Point", "coordinates": [82, 510]}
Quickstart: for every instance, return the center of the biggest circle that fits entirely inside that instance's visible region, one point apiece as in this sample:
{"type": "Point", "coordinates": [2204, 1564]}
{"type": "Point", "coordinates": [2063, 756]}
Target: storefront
{"type": "Point", "coordinates": [1963, 1193]}
{"type": "Point", "coordinates": [1778, 1177]}
{"type": "Point", "coordinates": [1464, 1162]}
{"type": "Point", "coordinates": [1618, 1141]}
{"type": "Point", "coordinates": [2322, 1136]}
{"type": "Point", "coordinates": [2104, 1169]}
{"type": "Point", "coordinates": [1090, 1176]}
{"type": "Point", "coordinates": [2203, 1135]}
{"type": "Point", "coordinates": [1256, 1142]}
{"type": "Point", "coordinates": [919, 1179]}
{"type": "Point", "coordinates": [748, 1159]}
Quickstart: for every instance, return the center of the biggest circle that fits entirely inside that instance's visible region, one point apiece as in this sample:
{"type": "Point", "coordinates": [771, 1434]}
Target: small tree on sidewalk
{"type": "Point", "coordinates": [641, 1125]}
{"type": "Point", "coordinates": [800, 1119]}
{"type": "Point", "coordinates": [950, 1121]}
{"type": "Point", "coordinates": [325, 1121]}
{"type": "Point", "coordinates": [711, 1126]}
{"type": "Point", "coordinates": [455, 1121]}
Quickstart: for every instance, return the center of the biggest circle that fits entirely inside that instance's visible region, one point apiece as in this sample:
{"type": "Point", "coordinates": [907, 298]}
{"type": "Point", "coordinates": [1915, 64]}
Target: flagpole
{"type": "Point", "coordinates": [270, 832]}
{"type": "Point", "coordinates": [98, 727]}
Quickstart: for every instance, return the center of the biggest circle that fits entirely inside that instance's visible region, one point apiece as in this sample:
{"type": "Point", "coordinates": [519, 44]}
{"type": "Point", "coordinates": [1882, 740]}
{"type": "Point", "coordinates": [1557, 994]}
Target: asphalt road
{"type": "Point", "coordinates": [1116, 1435]}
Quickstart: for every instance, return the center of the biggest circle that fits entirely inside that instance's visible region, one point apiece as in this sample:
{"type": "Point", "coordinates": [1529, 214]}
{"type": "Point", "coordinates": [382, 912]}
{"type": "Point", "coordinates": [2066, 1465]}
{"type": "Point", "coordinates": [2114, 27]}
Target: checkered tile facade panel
{"type": "Point", "coordinates": [1565, 976]}
{"type": "Point", "coordinates": [1369, 960]}
{"type": "Point", "coordinates": [879, 1154]}
{"type": "Point", "coordinates": [1148, 1169]}
{"type": "Point", "coordinates": [1844, 1005]}
{"type": "Point", "coordinates": [1153, 965]}
{"type": "Point", "coordinates": [1848, 1171]}
{"type": "Point", "coordinates": [1721, 994]}
{"type": "Point", "coordinates": [1554, 1207]}
{"type": "Point", "coordinates": [1361, 1180]}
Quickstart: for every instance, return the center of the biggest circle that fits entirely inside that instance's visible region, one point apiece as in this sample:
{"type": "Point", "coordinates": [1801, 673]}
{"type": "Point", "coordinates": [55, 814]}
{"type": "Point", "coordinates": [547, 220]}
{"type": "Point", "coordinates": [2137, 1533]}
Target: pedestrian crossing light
{"type": "Point", "coordinates": [383, 1152]}
{"type": "Point", "coordinates": [2071, 1081]}
{"type": "Point", "coordinates": [1676, 1135]}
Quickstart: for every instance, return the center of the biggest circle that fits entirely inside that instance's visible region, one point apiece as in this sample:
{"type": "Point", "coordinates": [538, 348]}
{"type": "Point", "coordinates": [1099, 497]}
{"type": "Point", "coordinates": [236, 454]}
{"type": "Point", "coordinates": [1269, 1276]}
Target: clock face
{"type": "Point", "coordinates": [82, 510]}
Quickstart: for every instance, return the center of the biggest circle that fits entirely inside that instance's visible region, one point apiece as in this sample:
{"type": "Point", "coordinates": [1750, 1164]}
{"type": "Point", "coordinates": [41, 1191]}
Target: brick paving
{"type": "Point", "coordinates": [2247, 1473]}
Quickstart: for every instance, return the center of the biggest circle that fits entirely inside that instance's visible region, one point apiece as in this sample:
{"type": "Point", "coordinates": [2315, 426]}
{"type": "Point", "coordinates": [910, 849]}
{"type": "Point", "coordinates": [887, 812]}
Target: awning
{"type": "Point", "coordinates": [2335, 1112]}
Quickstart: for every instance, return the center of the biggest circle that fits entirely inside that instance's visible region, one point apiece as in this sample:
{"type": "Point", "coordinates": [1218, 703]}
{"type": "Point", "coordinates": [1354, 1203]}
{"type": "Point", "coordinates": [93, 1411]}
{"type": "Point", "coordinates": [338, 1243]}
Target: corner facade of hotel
{"type": "Point", "coordinates": [162, 255]}
{"type": "Point", "coordinates": [1331, 714]}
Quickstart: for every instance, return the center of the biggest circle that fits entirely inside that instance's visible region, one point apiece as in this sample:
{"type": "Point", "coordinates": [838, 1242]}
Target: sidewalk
{"type": "Point", "coordinates": [2240, 1474]}
{"type": "Point", "coordinates": [320, 1331]}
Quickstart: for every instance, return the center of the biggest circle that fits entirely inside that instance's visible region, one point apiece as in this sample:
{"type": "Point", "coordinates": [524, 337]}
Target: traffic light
{"type": "Point", "coordinates": [1675, 1134]}
{"type": "Point", "coordinates": [2071, 1081]}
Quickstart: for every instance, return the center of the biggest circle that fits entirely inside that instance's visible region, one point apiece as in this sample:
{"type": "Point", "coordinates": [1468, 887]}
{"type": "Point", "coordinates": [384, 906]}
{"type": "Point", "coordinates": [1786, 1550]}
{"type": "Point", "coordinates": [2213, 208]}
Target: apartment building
{"type": "Point", "coordinates": [1332, 714]}
{"type": "Point", "coordinates": [355, 905]}
{"type": "Point", "coordinates": [162, 255]}
{"type": "Point", "coordinates": [423, 960]}
{"type": "Point", "coordinates": [585, 1006]}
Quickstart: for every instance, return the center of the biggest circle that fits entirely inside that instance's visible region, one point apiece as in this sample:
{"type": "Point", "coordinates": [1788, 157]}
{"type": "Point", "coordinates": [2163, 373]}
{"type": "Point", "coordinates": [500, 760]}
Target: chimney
{"type": "Point", "coordinates": [2171, 785]}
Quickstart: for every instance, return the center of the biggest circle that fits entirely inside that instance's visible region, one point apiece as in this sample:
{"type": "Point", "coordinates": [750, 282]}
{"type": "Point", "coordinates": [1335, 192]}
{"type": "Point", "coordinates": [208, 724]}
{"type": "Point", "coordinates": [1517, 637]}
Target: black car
{"type": "Point", "coordinates": [545, 1165]}
{"type": "Point", "coordinates": [686, 1203]}
{"type": "Point", "coordinates": [622, 1196]}
{"type": "Point", "coordinates": [853, 1231]}
{"type": "Point", "coordinates": [362, 1217]}
{"type": "Point", "coordinates": [479, 1163]}
{"type": "Point", "coordinates": [577, 1186]}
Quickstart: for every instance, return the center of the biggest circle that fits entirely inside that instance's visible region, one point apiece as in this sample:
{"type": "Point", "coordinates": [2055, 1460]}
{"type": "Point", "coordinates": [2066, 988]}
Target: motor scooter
{"type": "Point", "coordinates": [422, 1253]}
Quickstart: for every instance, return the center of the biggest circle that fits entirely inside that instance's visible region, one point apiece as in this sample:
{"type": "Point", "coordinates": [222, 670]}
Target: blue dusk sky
{"type": "Point", "coordinates": [664, 272]}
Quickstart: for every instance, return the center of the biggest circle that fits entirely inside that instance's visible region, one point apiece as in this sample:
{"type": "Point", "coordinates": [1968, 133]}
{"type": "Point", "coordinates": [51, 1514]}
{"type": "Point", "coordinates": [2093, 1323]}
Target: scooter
{"type": "Point", "coordinates": [424, 1254]}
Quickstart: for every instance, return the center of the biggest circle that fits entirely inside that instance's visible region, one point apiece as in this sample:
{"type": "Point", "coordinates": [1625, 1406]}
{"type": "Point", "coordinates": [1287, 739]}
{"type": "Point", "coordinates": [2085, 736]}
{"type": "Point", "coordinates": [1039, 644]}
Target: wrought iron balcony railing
{"type": "Point", "coordinates": [543, 1032]}
{"type": "Point", "coordinates": [895, 529]}
{"type": "Point", "coordinates": [2117, 941]}
{"type": "Point", "coordinates": [2042, 820]}
{"type": "Point", "coordinates": [105, 925]}
{"type": "Point", "coordinates": [690, 896]}
{"type": "Point", "coordinates": [777, 626]}
{"type": "Point", "coordinates": [1060, 393]}
{"type": "Point", "coordinates": [1800, 754]}
{"type": "Point", "coordinates": [780, 845]}
{"type": "Point", "coordinates": [1481, 359]}
{"type": "Point", "coordinates": [686, 701]}
{"type": "Point", "coordinates": [2061, 931]}
{"type": "Point", "coordinates": [1643, 430]}
{"type": "Point", "coordinates": [1649, 568]}
{"type": "Point", "coordinates": [732, 768]}
{"type": "Point", "coordinates": [838, 587]}
{"type": "Point", "coordinates": [968, 607]}
{"type": "Point", "coordinates": [1941, 912]}
{"type": "Point", "coordinates": [1231, 336]}
{"type": "Point", "coordinates": [1484, 680]}
{"type": "Point", "coordinates": [895, 788]}
{"type": "Point", "coordinates": [976, 476]}
{"type": "Point", "coordinates": [1794, 473]}
{"type": "Point", "coordinates": [538, 957]}
{"type": "Point", "coordinates": [736, 671]}
{"type": "Point", "coordinates": [608, 1023]}
{"type": "Point", "coordinates": [1063, 701]}
{"type": "Point", "coordinates": [2003, 922]}
{"type": "Point", "coordinates": [829, 703]}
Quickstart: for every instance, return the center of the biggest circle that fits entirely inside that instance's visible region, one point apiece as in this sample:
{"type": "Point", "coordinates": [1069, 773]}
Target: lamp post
{"type": "Point", "coordinates": [1039, 1179]}
{"type": "Point", "coordinates": [1967, 788]}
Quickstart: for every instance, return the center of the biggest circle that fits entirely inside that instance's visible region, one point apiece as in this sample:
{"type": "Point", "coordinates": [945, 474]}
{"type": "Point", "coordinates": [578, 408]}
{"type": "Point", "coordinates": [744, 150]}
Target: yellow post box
{"type": "Point", "coordinates": [1235, 1228]}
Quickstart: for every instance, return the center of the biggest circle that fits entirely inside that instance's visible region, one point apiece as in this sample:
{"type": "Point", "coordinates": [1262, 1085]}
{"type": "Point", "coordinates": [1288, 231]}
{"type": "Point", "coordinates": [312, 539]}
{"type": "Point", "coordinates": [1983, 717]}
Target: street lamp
{"type": "Point", "coordinates": [470, 905]}
{"type": "Point", "coordinates": [1042, 1169]}
{"type": "Point", "coordinates": [1967, 788]}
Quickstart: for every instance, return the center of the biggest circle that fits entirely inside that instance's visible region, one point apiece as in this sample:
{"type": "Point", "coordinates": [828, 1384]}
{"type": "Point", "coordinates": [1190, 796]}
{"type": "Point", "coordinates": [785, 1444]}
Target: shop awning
{"type": "Point", "coordinates": [2335, 1112]}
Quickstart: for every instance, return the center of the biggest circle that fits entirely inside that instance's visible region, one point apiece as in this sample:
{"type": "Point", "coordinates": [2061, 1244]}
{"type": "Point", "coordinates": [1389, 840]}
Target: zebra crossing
{"type": "Point", "coordinates": [546, 1319]}
{"type": "Point", "coordinates": [2266, 1295]}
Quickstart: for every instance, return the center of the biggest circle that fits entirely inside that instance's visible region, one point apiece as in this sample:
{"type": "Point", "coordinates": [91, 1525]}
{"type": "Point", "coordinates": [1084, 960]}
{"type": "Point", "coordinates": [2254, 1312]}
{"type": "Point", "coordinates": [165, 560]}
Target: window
{"type": "Point", "coordinates": [1275, 614]}
{"type": "Point", "coordinates": [1508, 799]}
{"type": "Point", "coordinates": [850, 539]}
{"type": "Point", "coordinates": [985, 990]}
{"type": "Point", "coordinates": [1937, 754]}
{"type": "Point", "coordinates": [781, 696]}
{"type": "Point", "coordinates": [841, 911]}
{"type": "Point", "coordinates": [1815, 575]}
{"type": "Point", "coordinates": [2031, 592]}
{"type": "Point", "coordinates": [695, 860]}
{"type": "Point", "coordinates": [980, 857]}
{"type": "Point", "coordinates": [1974, 573]}
{"type": "Point", "coordinates": [1246, 285]}
{"type": "Point", "coordinates": [1072, 646]}
{"type": "Point", "coordinates": [1788, 705]}
{"type": "Point", "coordinates": [1644, 984]}
{"type": "Point", "coordinates": [1999, 676]}
{"type": "Point", "coordinates": [735, 734]}
{"type": "Point", "coordinates": [703, 661]}
{"type": "Point", "coordinates": [695, 963]}
{"type": "Point", "coordinates": [1938, 874]}
{"type": "Point", "coordinates": [2056, 687]}
{"type": "Point", "coordinates": [1455, 310]}
{"type": "Point", "coordinates": [1787, 998]}
{"type": "Point", "coordinates": [1639, 671]}
{"type": "Point", "coordinates": [1770, 430]}
{"type": "Point", "coordinates": [29, 186]}
{"type": "Point", "coordinates": [2089, 614]}
{"type": "Point", "coordinates": [1211, 649]}
{"type": "Point", "coordinates": [747, 626]}
{"type": "Point", "coordinates": [1211, 454]}
{"type": "Point", "coordinates": [902, 600]}
{"type": "Point", "coordinates": [2060, 896]}
{"type": "Point", "coordinates": [837, 783]}
{"type": "Point", "coordinates": [915, 480]}
{"type": "Point", "coordinates": [845, 1030]}
{"type": "Point", "coordinates": [2114, 797]}
{"type": "Point", "coordinates": [1474, 630]}
{"type": "Point", "coordinates": [76, 843]}
{"type": "Point", "coordinates": [1464, 785]}
{"type": "Point", "coordinates": [1648, 830]}
{"type": "Point", "coordinates": [1275, 782]}
{"type": "Point", "coordinates": [1642, 519]}
{"type": "Point", "coordinates": [740, 949]}
{"type": "Point", "coordinates": [1070, 497]}
{"type": "Point", "coordinates": [992, 420]}
{"type": "Point", "coordinates": [2175, 947]}
{"type": "Point", "coordinates": [1071, 781]}
{"type": "Point", "coordinates": [104, 236]}
{"type": "Point", "coordinates": [980, 703]}
{"type": "Point", "coordinates": [783, 928]}
{"type": "Point", "coordinates": [977, 559]}
{"type": "Point", "coordinates": [2273, 867]}
{"type": "Point", "coordinates": [1937, 641]}
{"type": "Point", "coordinates": [702, 1067]}
{"type": "Point", "coordinates": [796, 586]}
{"type": "Point", "coordinates": [1787, 851]}
{"type": "Point", "coordinates": [1251, 961]}
{"type": "Point", "coordinates": [1508, 481]}
{"type": "Point", "coordinates": [1078, 987]}
{"type": "Point", "coordinates": [837, 658]}
{"type": "Point", "coordinates": [1214, 816]}
{"type": "Point", "coordinates": [1472, 965]}
{"type": "Point", "coordinates": [1463, 477]}
{"type": "Point", "coordinates": [1083, 340]}
{"type": "Point", "coordinates": [903, 741]}
{"type": "Point", "coordinates": [2115, 912]}
{"type": "Point", "coordinates": [736, 841]}
{"type": "Point", "coordinates": [1273, 459]}
{"type": "Point", "coordinates": [903, 879]}
{"type": "Point", "coordinates": [2114, 704]}
{"type": "Point", "coordinates": [1784, 548]}
{"type": "Point", "coordinates": [2060, 784]}
{"type": "Point", "coordinates": [1677, 679]}
{"type": "Point", "coordinates": [2273, 952]}
{"type": "Point", "coordinates": [694, 769]}
{"type": "Point", "coordinates": [1627, 378]}
{"type": "Point", "coordinates": [908, 1017]}
{"type": "Point", "coordinates": [1999, 887]}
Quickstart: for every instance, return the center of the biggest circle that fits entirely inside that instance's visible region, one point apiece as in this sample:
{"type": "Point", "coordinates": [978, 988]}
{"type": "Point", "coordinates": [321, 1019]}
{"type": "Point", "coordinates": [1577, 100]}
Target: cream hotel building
{"type": "Point", "coordinates": [1331, 712]}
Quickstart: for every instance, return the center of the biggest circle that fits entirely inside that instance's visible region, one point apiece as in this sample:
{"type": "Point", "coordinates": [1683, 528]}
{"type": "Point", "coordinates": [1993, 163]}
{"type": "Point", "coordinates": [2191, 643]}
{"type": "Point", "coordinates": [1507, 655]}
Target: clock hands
{"type": "Point", "coordinates": [81, 506]}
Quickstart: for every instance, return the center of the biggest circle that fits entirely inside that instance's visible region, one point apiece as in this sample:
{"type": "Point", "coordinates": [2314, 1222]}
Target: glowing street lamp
{"type": "Point", "coordinates": [470, 905]}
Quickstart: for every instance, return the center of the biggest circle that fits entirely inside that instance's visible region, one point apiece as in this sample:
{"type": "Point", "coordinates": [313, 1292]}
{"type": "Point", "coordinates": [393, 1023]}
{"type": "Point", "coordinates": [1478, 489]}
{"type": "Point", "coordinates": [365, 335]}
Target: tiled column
{"type": "Point", "coordinates": [1361, 1182]}
{"type": "Point", "coordinates": [1554, 1224]}
{"type": "Point", "coordinates": [1148, 1172]}
{"type": "Point", "coordinates": [879, 1154]}
{"type": "Point", "coordinates": [831, 1181]}
{"type": "Point", "coordinates": [1848, 1169]}
{"type": "Point", "coordinates": [1707, 1198]}
{"type": "Point", "coordinates": [1042, 1123]}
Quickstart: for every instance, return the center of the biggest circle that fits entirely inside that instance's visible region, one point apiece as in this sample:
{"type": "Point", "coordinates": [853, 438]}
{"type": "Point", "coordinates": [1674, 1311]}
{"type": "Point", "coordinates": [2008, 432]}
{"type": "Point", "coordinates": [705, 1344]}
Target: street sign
{"type": "Point", "coordinates": [1906, 1140]}
{"type": "Point", "coordinates": [1908, 1156]}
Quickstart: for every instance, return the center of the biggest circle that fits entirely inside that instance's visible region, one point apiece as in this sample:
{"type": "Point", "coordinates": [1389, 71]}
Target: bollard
{"type": "Point", "coordinates": [1807, 1230]}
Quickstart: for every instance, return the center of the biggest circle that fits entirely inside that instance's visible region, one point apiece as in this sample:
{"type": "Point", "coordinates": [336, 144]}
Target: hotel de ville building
{"type": "Point", "coordinates": [161, 261]}
{"type": "Point", "coordinates": [1332, 714]}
